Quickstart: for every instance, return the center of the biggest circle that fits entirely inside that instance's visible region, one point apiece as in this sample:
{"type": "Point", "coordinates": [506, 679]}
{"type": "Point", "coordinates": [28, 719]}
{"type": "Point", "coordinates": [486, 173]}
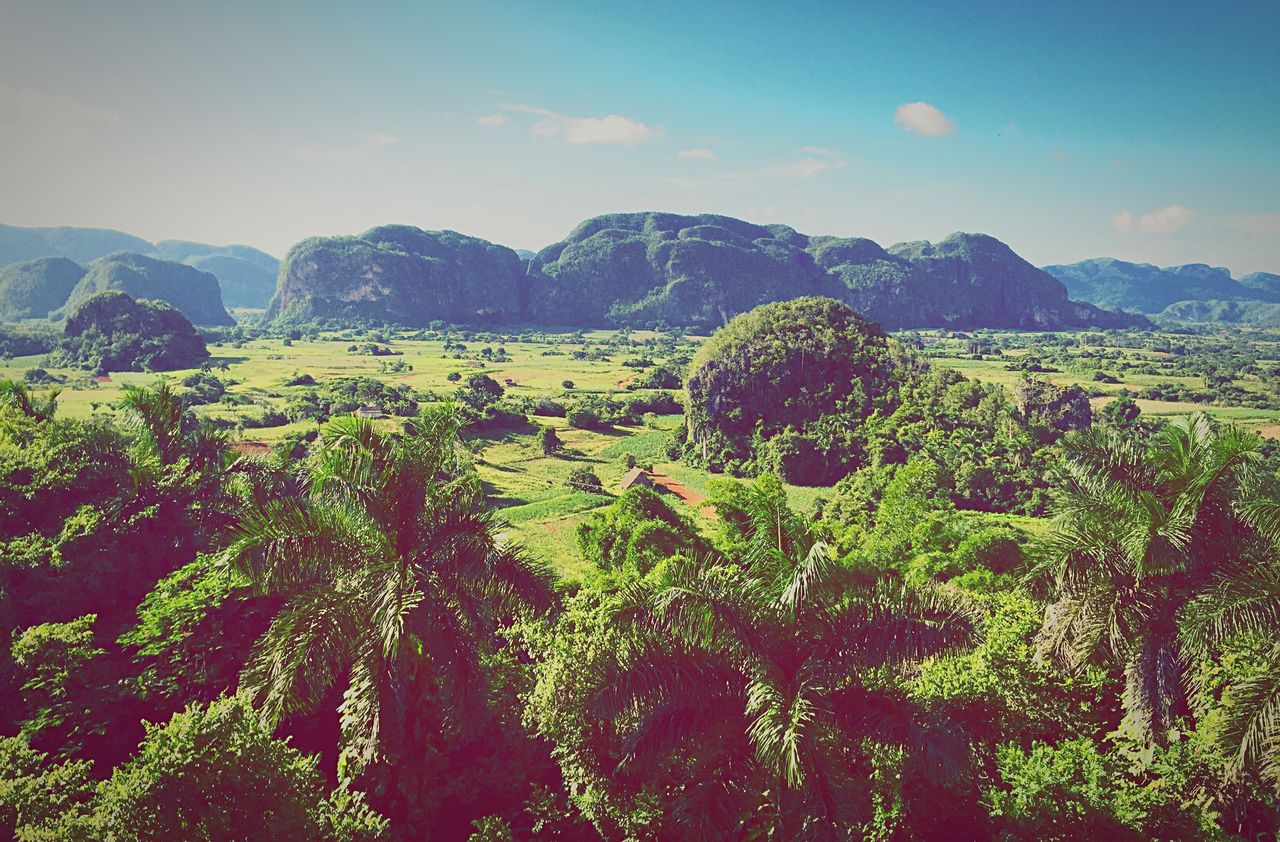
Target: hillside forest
{"type": "Point", "coordinates": [797, 577]}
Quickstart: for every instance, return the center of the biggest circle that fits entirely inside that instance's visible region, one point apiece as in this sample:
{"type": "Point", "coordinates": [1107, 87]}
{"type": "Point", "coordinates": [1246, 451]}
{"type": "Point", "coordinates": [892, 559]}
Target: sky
{"type": "Point", "coordinates": [1143, 131]}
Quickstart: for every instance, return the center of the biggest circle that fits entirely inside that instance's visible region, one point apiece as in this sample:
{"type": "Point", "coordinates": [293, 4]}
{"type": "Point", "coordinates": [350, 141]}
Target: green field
{"type": "Point", "coordinates": [528, 490]}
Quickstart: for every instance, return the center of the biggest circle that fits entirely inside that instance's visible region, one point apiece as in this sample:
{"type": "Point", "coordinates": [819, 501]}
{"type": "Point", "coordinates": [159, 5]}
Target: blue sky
{"type": "Point", "coordinates": [1070, 130]}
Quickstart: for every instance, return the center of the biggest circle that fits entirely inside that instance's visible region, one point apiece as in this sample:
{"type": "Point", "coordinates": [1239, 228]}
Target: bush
{"type": "Point", "coordinates": [585, 479]}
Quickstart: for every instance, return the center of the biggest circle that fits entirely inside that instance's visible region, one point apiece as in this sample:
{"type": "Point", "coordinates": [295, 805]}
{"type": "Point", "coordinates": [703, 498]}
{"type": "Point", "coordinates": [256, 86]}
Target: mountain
{"type": "Point", "coordinates": [702, 270]}
{"type": "Point", "coordinates": [78, 244]}
{"type": "Point", "coordinates": [966, 280]}
{"type": "Point", "coordinates": [33, 289]}
{"type": "Point", "coordinates": [691, 271]}
{"type": "Point", "coordinates": [1256, 313]}
{"type": "Point", "coordinates": [1264, 282]}
{"type": "Point", "coordinates": [1143, 288]}
{"type": "Point", "coordinates": [400, 274]}
{"type": "Point", "coordinates": [194, 293]}
{"type": "Point", "coordinates": [109, 331]}
{"type": "Point", "coordinates": [639, 268]}
{"type": "Point", "coordinates": [246, 275]}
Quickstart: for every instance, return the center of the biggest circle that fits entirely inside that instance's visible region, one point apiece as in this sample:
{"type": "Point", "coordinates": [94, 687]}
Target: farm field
{"type": "Point", "coordinates": [529, 490]}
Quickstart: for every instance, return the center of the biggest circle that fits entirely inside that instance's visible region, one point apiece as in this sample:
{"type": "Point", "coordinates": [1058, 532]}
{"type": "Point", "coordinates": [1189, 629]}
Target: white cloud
{"type": "Point", "coordinates": [820, 151]}
{"type": "Point", "coordinates": [923, 119]}
{"type": "Point", "coordinates": [492, 120]}
{"type": "Point", "coordinates": [380, 139]}
{"type": "Point", "coordinates": [699, 154]}
{"type": "Point", "coordinates": [611, 128]}
{"type": "Point", "coordinates": [1160, 221]}
{"type": "Point", "coordinates": [1062, 155]}
{"type": "Point", "coordinates": [1166, 220]}
{"type": "Point", "coordinates": [1121, 165]}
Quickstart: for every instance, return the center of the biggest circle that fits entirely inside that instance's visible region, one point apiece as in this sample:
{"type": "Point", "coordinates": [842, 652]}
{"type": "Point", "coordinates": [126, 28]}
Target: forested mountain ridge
{"type": "Point", "coordinates": [400, 274]}
{"type": "Point", "coordinates": [34, 288]}
{"type": "Point", "coordinates": [194, 293]}
{"type": "Point", "coordinates": [79, 244]}
{"type": "Point", "coordinates": [246, 275]}
{"type": "Point", "coordinates": [1144, 288]}
{"type": "Point", "coordinates": [638, 269]}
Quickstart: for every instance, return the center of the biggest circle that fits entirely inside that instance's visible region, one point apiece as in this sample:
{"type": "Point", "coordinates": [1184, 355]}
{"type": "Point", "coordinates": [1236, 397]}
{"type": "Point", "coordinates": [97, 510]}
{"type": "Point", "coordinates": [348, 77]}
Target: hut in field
{"type": "Point", "coordinates": [369, 411]}
{"type": "Point", "coordinates": [636, 476]}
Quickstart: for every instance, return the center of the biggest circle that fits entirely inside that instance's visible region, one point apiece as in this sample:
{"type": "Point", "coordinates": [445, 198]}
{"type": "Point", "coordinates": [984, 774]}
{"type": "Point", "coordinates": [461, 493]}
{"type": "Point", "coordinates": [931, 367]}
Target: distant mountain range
{"type": "Point", "coordinates": [245, 275]}
{"type": "Point", "coordinates": [641, 269]}
{"type": "Point", "coordinates": [52, 287]}
{"type": "Point", "coordinates": [626, 269]}
{"type": "Point", "coordinates": [1193, 292]}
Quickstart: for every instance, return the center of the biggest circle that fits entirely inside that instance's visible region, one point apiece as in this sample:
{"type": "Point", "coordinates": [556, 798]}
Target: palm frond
{"type": "Point", "coordinates": [308, 645]}
{"type": "Point", "coordinates": [783, 717]}
{"type": "Point", "coordinates": [290, 544]}
{"type": "Point", "coordinates": [1251, 731]}
{"type": "Point", "coordinates": [808, 577]}
{"type": "Point", "coordinates": [894, 624]}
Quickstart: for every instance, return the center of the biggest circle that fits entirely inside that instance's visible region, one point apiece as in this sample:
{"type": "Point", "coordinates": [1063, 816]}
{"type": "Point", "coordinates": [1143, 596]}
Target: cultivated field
{"type": "Point", "coordinates": [528, 489]}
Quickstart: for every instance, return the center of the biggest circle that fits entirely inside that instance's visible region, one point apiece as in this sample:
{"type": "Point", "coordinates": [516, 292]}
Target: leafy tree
{"type": "Point", "coordinates": [392, 584]}
{"type": "Point", "coordinates": [40, 800]}
{"type": "Point", "coordinates": [549, 441]}
{"type": "Point", "coordinates": [214, 773]}
{"type": "Point", "coordinates": [1140, 532]}
{"type": "Point", "coordinates": [636, 531]}
{"type": "Point", "coordinates": [57, 660]}
{"type": "Point", "coordinates": [585, 479]}
{"type": "Point", "coordinates": [742, 691]}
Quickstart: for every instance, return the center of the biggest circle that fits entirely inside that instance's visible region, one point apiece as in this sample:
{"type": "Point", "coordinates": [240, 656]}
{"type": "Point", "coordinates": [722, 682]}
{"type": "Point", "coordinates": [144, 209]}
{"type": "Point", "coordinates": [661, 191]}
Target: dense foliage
{"type": "Point", "coordinates": [811, 391]}
{"type": "Point", "coordinates": [338, 640]}
{"type": "Point", "coordinates": [192, 292]}
{"type": "Point", "coordinates": [113, 332]}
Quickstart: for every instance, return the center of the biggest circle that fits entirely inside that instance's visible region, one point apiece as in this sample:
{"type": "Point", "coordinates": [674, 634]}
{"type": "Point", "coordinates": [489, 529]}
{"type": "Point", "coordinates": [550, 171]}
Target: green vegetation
{"type": "Point", "coordinates": [34, 289]}
{"type": "Point", "coordinates": [112, 332]}
{"type": "Point", "coordinates": [193, 293]}
{"type": "Point", "coordinates": [1027, 604]}
{"type": "Point", "coordinates": [657, 270]}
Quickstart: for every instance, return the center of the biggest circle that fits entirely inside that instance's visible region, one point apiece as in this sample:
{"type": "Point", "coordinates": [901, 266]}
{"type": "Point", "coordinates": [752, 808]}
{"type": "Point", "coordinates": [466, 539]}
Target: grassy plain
{"type": "Point", "coordinates": [529, 490]}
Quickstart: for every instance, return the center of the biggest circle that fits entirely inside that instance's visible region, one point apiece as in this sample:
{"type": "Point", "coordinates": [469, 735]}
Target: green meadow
{"type": "Point", "coordinates": [528, 489]}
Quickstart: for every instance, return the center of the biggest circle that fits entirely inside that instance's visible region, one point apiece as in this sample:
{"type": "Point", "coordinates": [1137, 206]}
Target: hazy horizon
{"type": "Point", "coordinates": [1068, 133]}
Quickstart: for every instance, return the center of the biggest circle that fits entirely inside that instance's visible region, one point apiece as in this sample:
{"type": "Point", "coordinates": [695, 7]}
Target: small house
{"type": "Point", "coordinates": [369, 411]}
{"type": "Point", "coordinates": [636, 476]}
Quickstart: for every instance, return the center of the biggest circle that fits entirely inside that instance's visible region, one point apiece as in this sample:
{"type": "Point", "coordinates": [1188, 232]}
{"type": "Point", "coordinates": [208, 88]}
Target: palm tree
{"type": "Point", "coordinates": [391, 582]}
{"type": "Point", "coordinates": [18, 396]}
{"type": "Point", "coordinates": [754, 667]}
{"type": "Point", "coordinates": [1139, 532]}
{"type": "Point", "coordinates": [1244, 601]}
